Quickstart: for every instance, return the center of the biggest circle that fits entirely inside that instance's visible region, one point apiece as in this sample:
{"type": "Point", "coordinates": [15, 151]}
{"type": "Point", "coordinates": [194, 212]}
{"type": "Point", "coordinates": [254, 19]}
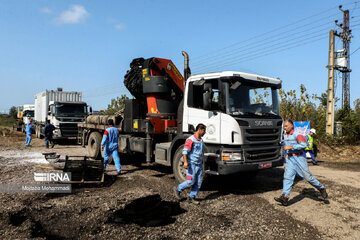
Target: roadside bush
{"type": "Point", "coordinates": [313, 108]}
{"type": "Point", "coordinates": [6, 120]}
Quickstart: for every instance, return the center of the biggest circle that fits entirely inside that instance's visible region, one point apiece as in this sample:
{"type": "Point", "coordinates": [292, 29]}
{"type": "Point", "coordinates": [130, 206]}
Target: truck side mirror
{"type": "Point", "coordinates": [91, 111]}
{"type": "Point", "coordinates": [207, 96]}
{"type": "Point", "coordinates": [207, 100]}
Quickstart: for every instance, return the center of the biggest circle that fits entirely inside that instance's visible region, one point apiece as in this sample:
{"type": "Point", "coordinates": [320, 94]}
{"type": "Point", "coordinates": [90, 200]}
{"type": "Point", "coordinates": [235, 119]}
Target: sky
{"type": "Point", "coordinates": [87, 45]}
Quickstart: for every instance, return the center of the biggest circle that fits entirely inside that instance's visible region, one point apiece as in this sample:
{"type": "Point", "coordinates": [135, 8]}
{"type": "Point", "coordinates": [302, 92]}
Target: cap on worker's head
{"type": "Point", "coordinates": [313, 131]}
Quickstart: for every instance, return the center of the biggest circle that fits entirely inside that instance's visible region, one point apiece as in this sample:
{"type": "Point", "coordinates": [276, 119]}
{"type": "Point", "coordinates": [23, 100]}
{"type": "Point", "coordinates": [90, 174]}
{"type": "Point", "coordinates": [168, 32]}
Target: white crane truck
{"type": "Point", "coordinates": [241, 112]}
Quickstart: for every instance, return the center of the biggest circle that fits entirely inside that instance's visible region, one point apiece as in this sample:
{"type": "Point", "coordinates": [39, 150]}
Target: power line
{"type": "Point", "coordinates": [262, 46]}
{"type": "Point", "coordinates": [203, 62]}
{"type": "Point", "coordinates": [251, 54]}
{"type": "Point", "coordinates": [231, 60]}
{"type": "Point", "coordinates": [274, 30]}
{"type": "Point", "coordinates": [248, 58]}
{"type": "Point", "coordinates": [270, 39]}
{"type": "Point", "coordinates": [354, 51]}
{"type": "Point", "coordinates": [275, 34]}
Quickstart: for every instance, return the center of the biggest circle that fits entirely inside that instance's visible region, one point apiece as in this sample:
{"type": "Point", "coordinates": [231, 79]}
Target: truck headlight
{"type": "Point", "coordinates": [57, 132]}
{"type": "Point", "coordinates": [238, 156]}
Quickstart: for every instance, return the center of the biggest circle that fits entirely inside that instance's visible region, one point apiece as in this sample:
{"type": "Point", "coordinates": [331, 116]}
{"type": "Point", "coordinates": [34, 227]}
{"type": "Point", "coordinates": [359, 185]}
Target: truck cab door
{"type": "Point", "coordinates": [201, 107]}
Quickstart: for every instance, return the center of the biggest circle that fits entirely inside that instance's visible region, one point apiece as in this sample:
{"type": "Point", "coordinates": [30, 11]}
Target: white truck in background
{"type": "Point", "coordinates": [64, 110]}
{"type": "Point", "coordinates": [24, 112]}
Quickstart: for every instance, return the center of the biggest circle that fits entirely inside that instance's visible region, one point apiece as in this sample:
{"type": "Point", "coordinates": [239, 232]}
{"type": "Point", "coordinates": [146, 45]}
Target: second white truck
{"type": "Point", "coordinates": [64, 110]}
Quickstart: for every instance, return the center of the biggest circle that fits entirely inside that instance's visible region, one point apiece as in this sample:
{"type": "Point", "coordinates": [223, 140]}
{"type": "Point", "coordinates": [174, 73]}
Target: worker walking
{"type": "Point", "coordinates": [310, 145]}
{"type": "Point", "coordinates": [296, 163]}
{"type": "Point", "coordinates": [109, 145]}
{"type": "Point", "coordinates": [28, 132]}
{"type": "Point", "coordinates": [192, 154]}
{"type": "Point", "coordinates": [48, 130]}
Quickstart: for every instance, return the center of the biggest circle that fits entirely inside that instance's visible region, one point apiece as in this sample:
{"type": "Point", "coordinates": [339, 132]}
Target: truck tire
{"type": "Point", "coordinates": [37, 131]}
{"type": "Point", "coordinates": [178, 165]}
{"type": "Point", "coordinates": [41, 135]}
{"type": "Point", "coordinates": [93, 147]}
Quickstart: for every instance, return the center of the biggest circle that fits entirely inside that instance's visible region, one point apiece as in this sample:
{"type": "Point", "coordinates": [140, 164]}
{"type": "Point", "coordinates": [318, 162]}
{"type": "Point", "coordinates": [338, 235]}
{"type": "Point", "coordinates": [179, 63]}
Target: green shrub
{"type": "Point", "coordinates": [313, 108]}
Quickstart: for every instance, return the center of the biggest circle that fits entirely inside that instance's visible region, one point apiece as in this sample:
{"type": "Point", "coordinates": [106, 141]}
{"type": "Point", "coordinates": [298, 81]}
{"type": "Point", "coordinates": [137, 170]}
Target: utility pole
{"type": "Point", "coordinates": [345, 70]}
{"type": "Point", "coordinates": [330, 92]}
{"type": "Point", "coordinates": [340, 61]}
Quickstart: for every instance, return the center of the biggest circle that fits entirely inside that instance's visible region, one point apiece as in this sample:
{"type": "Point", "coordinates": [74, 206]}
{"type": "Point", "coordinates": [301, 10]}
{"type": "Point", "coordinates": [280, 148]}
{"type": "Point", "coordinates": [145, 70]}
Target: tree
{"type": "Point", "coordinates": [116, 104]}
{"type": "Point", "coordinates": [357, 106]}
{"type": "Point", "coordinates": [13, 112]}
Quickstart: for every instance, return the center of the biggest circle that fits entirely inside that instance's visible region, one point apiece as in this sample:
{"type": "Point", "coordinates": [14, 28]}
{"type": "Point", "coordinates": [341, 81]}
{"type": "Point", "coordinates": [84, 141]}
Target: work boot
{"type": "Point", "coordinates": [193, 201]}
{"type": "Point", "coordinates": [52, 145]}
{"type": "Point", "coordinates": [323, 193]}
{"type": "Point", "coordinates": [176, 193]}
{"type": "Point", "coordinates": [283, 200]}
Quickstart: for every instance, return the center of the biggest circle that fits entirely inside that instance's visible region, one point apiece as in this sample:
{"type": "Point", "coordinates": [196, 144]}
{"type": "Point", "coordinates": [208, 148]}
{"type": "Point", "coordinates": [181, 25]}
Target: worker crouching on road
{"type": "Point", "coordinates": [310, 145]}
{"type": "Point", "coordinates": [192, 154]}
{"type": "Point", "coordinates": [28, 131]}
{"type": "Point", "coordinates": [296, 163]}
{"type": "Point", "coordinates": [109, 145]}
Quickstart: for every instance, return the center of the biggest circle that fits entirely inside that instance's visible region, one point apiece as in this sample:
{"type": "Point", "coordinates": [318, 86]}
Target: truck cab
{"type": "Point", "coordinates": [242, 115]}
{"type": "Point", "coordinates": [64, 109]}
{"type": "Point", "coordinates": [27, 112]}
{"type": "Point", "coordinates": [65, 116]}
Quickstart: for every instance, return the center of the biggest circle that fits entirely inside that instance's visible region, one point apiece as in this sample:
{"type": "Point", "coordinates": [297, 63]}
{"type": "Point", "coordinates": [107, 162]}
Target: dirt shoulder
{"type": "Point", "coordinates": [139, 204]}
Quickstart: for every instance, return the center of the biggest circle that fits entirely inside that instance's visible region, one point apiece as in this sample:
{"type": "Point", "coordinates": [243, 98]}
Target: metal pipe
{"type": "Point", "coordinates": [187, 71]}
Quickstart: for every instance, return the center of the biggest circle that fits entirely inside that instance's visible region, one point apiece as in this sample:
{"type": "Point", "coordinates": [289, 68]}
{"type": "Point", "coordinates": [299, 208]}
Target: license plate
{"type": "Point", "coordinates": [71, 137]}
{"type": "Point", "coordinates": [265, 165]}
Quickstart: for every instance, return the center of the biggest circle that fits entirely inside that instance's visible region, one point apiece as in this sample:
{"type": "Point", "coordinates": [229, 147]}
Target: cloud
{"type": "Point", "coordinates": [117, 25]}
{"type": "Point", "coordinates": [120, 26]}
{"type": "Point", "coordinates": [75, 14]}
{"type": "Point", "coordinates": [46, 10]}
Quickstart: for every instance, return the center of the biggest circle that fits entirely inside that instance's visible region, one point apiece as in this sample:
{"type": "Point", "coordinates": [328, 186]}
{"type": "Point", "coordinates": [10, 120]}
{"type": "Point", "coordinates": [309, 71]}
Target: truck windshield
{"type": "Point", "coordinates": [29, 113]}
{"type": "Point", "coordinates": [245, 100]}
{"type": "Point", "coordinates": [70, 109]}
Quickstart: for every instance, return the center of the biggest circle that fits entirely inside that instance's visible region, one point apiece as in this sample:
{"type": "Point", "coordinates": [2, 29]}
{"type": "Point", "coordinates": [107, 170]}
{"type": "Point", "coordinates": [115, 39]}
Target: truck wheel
{"type": "Point", "coordinates": [40, 135]}
{"type": "Point", "coordinates": [94, 143]}
{"type": "Point", "coordinates": [37, 132]}
{"type": "Point", "coordinates": [178, 165]}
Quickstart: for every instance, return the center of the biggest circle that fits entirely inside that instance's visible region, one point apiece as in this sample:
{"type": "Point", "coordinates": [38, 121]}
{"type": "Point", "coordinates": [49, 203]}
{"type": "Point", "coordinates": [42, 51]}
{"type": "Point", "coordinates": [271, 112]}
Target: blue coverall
{"type": "Point", "coordinates": [110, 143]}
{"type": "Point", "coordinates": [28, 132]}
{"type": "Point", "coordinates": [194, 150]}
{"type": "Point", "coordinates": [296, 163]}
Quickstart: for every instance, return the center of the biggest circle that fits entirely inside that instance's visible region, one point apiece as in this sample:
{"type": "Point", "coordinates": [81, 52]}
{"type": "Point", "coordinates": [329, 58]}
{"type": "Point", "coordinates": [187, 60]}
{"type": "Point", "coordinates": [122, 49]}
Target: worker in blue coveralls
{"type": "Point", "coordinates": [296, 163]}
{"type": "Point", "coordinates": [109, 145]}
{"type": "Point", "coordinates": [28, 131]}
{"type": "Point", "coordinates": [192, 154]}
{"type": "Point", "coordinates": [310, 145]}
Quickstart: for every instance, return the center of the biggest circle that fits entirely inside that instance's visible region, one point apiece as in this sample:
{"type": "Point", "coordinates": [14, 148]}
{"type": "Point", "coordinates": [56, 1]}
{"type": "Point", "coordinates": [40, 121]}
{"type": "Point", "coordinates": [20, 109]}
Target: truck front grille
{"type": "Point", "coordinates": [263, 144]}
{"type": "Point", "coordinates": [262, 135]}
{"type": "Point", "coordinates": [262, 154]}
{"type": "Point", "coordinates": [69, 129]}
